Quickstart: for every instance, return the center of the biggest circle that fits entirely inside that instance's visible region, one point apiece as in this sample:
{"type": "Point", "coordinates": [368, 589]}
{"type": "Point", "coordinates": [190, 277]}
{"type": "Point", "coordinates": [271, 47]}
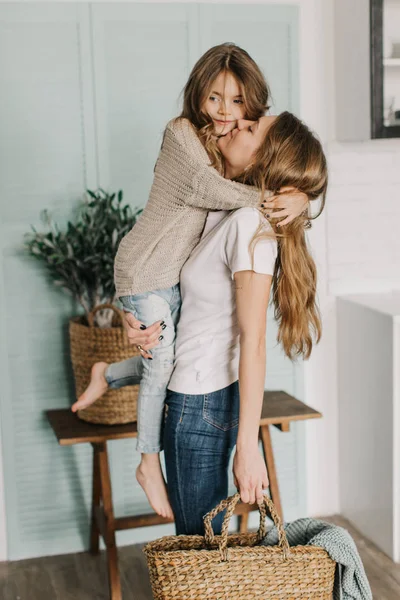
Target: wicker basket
{"type": "Point", "coordinates": [236, 568]}
{"type": "Point", "coordinates": [90, 344]}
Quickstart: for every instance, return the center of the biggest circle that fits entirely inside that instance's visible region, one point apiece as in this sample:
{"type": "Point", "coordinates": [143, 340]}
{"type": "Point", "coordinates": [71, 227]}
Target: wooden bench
{"type": "Point", "coordinates": [279, 409]}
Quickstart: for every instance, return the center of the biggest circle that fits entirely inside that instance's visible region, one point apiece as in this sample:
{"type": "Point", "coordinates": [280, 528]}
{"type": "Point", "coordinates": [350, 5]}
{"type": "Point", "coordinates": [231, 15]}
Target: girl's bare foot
{"type": "Point", "coordinates": [150, 476]}
{"type": "Point", "coordinates": [97, 387]}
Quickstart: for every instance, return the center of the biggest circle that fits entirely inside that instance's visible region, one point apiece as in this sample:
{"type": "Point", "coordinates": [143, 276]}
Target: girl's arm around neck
{"type": "Point", "coordinates": [208, 189]}
{"type": "Point", "coordinates": [252, 296]}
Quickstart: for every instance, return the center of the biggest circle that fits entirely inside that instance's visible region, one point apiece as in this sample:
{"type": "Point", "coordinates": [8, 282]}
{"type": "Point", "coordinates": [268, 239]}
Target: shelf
{"type": "Point", "coordinates": [391, 62]}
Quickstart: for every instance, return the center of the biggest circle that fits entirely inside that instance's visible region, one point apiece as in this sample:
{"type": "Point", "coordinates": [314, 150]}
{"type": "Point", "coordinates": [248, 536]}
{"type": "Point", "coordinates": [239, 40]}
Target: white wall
{"type": "Point", "coordinates": [363, 216]}
{"type": "Point", "coordinates": [352, 69]}
{"type": "Point", "coordinates": [367, 416]}
{"type": "Point", "coordinates": [363, 242]}
{"type": "Point", "coordinates": [356, 241]}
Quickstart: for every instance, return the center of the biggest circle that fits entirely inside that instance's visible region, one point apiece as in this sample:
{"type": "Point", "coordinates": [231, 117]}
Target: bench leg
{"type": "Point", "coordinates": [96, 492]}
{"type": "Point", "coordinates": [109, 523]}
{"type": "Point", "coordinates": [265, 436]}
{"type": "Point", "coordinates": [243, 522]}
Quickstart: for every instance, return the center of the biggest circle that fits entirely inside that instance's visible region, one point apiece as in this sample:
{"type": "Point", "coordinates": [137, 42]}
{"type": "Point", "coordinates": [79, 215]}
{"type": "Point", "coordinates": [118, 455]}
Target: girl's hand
{"type": "Point", "coordinates": [139, 334]}
{"type": "Point", "coordinates": [291, 202]}
{"type": "Point", "coordinates": [250, 474]}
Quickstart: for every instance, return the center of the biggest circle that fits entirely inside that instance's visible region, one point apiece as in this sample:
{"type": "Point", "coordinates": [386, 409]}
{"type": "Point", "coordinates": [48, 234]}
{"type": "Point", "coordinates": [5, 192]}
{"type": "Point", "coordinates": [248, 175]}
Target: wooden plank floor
{"type": "Point", "coordinates": [82, 577]}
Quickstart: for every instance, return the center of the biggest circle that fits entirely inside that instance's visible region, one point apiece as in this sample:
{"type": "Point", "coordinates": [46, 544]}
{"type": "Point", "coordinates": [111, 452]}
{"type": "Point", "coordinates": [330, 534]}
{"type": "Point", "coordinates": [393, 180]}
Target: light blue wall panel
{"type": "Point", "coordinates": [142, 57]}
{"type": "Point", "coordinates": [42, 164]}
{"type": "Point", "coordinates": [89, 89]}
{"type": "Point", "coordinates": [269, 33]}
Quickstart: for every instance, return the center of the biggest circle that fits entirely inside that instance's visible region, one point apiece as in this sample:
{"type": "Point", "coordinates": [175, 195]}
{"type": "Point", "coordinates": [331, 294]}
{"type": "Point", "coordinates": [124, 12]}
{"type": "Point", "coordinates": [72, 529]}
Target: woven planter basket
{"type": "Point", "coordinates": [236, 568]}
{"type": "Point", "coordinates": [90, 344]}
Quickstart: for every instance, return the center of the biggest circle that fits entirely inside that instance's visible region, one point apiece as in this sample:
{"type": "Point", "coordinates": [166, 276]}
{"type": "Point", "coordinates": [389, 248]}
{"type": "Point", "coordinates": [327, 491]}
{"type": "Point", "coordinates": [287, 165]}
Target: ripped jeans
{"type": "Point", "coordinates": [152, 375]}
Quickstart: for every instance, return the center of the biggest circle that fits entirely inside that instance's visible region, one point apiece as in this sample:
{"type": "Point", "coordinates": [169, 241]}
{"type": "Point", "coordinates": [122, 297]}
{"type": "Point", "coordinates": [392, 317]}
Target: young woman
{"type": "Point", "coordinates": [225, 86]}
{"type": "Point", "coordinates": [215, 393]}
{"type": "Point", "coordinates": [216, 390]}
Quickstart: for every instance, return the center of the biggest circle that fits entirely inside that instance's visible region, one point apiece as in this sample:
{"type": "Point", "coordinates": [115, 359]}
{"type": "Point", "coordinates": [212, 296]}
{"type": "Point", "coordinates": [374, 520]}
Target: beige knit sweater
{"type": "Point", "coordinates": [184, 189]}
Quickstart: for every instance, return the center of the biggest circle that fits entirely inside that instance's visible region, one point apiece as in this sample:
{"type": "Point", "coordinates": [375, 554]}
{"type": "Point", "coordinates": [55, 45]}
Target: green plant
{"type": "Point", "coordinates": [80, 257]}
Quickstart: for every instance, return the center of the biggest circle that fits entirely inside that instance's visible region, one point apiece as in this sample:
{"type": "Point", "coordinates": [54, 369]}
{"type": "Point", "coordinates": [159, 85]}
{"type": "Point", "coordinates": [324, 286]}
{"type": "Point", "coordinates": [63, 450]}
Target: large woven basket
{"type": "Point", "coordinates": [90, 344]}
{"type": "Point", "coordinates": [235, 567]}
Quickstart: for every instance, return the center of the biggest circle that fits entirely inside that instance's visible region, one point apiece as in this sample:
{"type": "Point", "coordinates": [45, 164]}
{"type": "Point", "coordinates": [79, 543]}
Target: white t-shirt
{"type": "Point", "coordinates": [207, 342]}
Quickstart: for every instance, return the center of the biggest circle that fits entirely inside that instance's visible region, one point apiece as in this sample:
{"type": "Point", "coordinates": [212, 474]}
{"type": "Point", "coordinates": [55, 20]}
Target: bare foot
{"type": "Point", "coordinates": [150, 476]}
{"type": "Point", "coordinates": [97, 387]}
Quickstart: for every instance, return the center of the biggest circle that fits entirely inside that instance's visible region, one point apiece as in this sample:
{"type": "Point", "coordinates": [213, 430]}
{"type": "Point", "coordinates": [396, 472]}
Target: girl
{"type": "Point", "coordinates": [225, 86]}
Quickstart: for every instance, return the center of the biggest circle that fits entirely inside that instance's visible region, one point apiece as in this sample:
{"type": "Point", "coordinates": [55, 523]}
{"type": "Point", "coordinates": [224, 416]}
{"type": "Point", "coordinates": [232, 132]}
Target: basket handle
{"type": "Point", "coordinates": [230, 504]}
{"type": "Point", "coordinates": [90, 316]}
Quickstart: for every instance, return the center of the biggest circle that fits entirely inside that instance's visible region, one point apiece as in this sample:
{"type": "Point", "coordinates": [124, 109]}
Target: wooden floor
{"type": "Point", "coordinates": [82, 577]}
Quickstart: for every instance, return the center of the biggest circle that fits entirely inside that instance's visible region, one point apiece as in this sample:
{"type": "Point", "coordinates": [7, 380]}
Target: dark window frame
{"type": "Point", "coordinates": [378, 129]}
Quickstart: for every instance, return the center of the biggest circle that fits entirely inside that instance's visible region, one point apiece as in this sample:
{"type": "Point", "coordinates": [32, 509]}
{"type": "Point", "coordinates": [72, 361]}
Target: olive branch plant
{"type": "Point", "coordinates": [80, 257]}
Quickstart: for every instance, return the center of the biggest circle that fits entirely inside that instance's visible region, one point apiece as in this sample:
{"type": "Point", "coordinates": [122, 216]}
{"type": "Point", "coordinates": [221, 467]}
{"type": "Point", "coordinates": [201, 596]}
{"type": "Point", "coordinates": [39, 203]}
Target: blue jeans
{"type": "Point", "coordinates": [153, 375]}
{"type": "Point", "coordinates": [199, 435]}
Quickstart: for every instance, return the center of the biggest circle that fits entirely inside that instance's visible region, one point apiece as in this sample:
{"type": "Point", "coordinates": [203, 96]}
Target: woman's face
{"type": "Point", "coordinates": [225, 103]}
{"type": "Point", "coordinates": [240, 146]}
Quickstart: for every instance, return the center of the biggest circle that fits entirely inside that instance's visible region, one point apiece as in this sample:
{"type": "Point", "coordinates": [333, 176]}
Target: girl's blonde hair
{"type": "Point", "coordinates": [291, 155]}
{"type": "Point", "coordinates": [224, 58]}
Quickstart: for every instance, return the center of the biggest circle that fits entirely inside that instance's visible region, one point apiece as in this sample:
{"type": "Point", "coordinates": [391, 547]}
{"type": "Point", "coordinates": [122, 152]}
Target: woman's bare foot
{"type": "Point", "coordinates": [97, 387]}
{"type": "Point", "coordinates": [150, 476]}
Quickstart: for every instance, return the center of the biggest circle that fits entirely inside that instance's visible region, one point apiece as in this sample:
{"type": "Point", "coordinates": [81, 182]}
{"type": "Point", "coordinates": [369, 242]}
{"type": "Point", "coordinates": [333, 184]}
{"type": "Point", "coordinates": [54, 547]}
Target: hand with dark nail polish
{"type": "Point", "coordinates": [142, 327]}
{"type": "Point", "coordinates": [161, 338]}
{"type": "Point", "coordinates": [163, 326]}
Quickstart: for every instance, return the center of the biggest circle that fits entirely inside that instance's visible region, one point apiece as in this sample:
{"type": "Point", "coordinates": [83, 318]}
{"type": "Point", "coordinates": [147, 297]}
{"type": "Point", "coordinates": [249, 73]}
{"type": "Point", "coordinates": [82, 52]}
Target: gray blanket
{"type": "Point", "coordinates": [351, 582]}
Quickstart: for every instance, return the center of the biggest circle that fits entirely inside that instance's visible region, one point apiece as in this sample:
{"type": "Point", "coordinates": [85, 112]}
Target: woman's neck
{"type": "Point", "coordinates": [230, 171]}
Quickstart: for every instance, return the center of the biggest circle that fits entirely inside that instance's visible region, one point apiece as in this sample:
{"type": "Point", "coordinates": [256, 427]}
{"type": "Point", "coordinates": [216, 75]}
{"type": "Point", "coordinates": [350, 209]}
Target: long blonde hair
{"type": "Point", "coordinates": [291, 155]}
{"type": "Point", "coordinates": [224, 58]}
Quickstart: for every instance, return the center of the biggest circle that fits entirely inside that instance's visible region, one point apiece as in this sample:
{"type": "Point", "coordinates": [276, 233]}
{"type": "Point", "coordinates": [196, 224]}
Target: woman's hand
{"type": "Point", "coordinates": [144, 337]}
{"type": "Point", "coordinates": [250, 474]}
{"type": "Point", "coordinates": [291, 202]}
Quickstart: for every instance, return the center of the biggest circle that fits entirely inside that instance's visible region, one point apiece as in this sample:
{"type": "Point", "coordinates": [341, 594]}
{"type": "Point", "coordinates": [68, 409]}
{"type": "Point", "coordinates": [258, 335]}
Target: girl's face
{"type": "Point", "coordinates": [225, 103]}
{"type": "Point", "coordinates": [240, 146]}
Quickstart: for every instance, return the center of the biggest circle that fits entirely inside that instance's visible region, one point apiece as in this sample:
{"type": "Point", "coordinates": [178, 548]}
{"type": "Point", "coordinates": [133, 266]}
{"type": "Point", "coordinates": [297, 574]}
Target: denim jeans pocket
{"type": "Point", "coordinates": [127, 303]}
{"type": "Point", "coordinates": [147, 307]}
{"type": "Point", "coordinates": [221, 409]}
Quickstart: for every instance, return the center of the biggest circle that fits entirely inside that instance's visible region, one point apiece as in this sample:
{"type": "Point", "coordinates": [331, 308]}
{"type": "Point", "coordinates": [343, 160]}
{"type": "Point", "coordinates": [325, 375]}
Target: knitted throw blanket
{"type": "Point", "coordinates": [185, 188]}
{"type": "Point", "coordinates": [351, 582]}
